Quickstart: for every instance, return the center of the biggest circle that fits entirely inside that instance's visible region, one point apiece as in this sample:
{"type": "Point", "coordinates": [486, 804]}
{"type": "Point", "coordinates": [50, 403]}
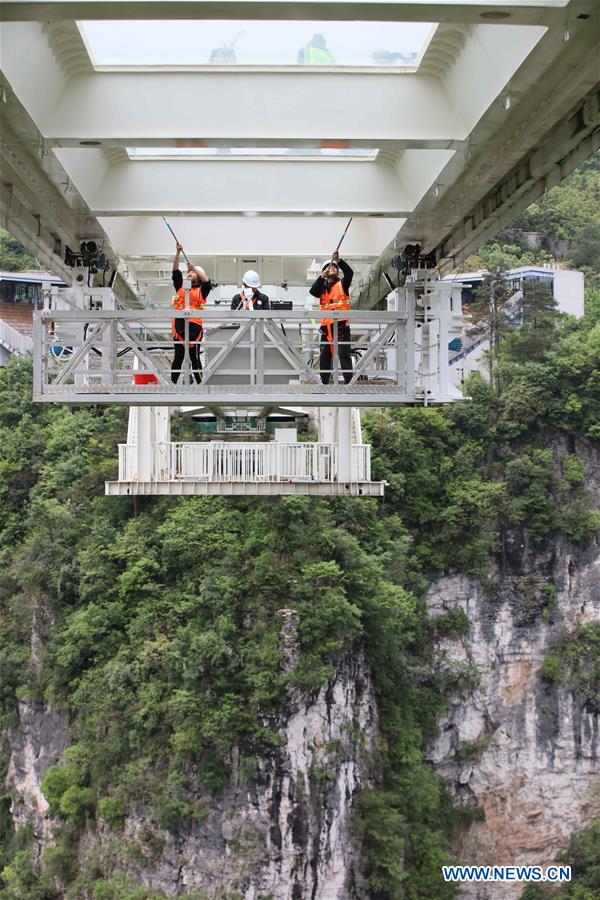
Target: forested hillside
{"type": "Point", "coordinates": [13, 257]}
{"type": "Point", "coordinates": [157, 628]}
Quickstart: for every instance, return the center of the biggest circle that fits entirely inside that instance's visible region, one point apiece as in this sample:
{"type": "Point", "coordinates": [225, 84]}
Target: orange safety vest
{"type": "Point", "coordinates": [334, 298]}
{"type": "Point", "coordinates": [197, 301]}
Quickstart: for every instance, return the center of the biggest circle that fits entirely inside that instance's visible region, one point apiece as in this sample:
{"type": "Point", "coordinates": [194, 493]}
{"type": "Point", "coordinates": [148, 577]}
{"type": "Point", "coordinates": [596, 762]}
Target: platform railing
{"type": "Point", "coordinates": [361, 462]}
{"type": "Point", "coordinates": [126, 356]}
{"type": "Point", "coordinates": [229, 461]}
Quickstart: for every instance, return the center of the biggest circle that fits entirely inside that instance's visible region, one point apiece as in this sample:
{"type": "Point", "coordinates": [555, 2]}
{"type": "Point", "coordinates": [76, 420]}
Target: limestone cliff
{"type": "Point", "coordinates": [36, 744]}
{"type": "Point", "coordinates": [285, 832]}
{"type": "Point", "coordinates": [282, 831]}
{"type": "Point", "coordinates": [520, 749]}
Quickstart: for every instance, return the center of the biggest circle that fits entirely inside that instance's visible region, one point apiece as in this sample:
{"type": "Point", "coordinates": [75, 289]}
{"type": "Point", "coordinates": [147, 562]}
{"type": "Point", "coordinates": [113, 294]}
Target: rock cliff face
{"type": "Point", "coordinates": [522, 750]}
{"type": "Point", "coordinates": [282, 831]}
{"type": "Point", "coordinates": [36, 744]}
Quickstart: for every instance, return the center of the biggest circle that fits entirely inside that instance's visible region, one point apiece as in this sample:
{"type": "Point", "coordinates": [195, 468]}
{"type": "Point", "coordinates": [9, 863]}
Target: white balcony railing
{"type": "Point", "coordinates": [242, 462]}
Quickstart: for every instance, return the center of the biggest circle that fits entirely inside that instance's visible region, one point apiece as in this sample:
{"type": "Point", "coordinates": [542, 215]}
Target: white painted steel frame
{"type": "Point", "coordinates": [338, 463]}
{"type": "Point", "coordinates": [527, 12]}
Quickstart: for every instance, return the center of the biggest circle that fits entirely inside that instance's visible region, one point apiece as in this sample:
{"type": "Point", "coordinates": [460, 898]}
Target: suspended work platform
{"type": "Point", "coordinates": [88, 351]}
{"type": "Point", "coordinates": [432, 163]}
{"type": "Point", "coordinates": [265, 358]}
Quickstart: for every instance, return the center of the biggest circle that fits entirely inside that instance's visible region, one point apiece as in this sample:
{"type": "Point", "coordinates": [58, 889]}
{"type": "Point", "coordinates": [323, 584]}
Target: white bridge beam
{"type": "Point", "coordinates": [143, 105]}
{"type": "Point", "coordinates": [524, 12]}
{"type": "Point", "coordinates": [237, 236]}
{"type": "Point", "coordinates": [462, 138]}
{"type": "Point", "coordinates": [230, 187]}
{"type": "Point", "coordinates": [542, 125]}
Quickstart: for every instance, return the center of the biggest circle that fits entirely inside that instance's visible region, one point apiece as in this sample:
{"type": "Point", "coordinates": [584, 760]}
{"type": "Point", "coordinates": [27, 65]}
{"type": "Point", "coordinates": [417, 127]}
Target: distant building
{"type": "Point", "coordinates": [393, 58]}
{"type": "Point", "coordinates": [316, 52]}
{"type": "Point", "coordinates": [20, 294]}
{"type": "Point", "coordinates": [567, 288]}
{"type": "Point", "coordinates": [567, 285]}
{"type": "Point", "coordinates": [25, 287]}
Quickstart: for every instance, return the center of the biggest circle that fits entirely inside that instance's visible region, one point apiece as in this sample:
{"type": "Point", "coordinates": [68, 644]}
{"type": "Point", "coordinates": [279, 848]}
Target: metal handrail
{"type": "Point", "coordinates": [225, 315]}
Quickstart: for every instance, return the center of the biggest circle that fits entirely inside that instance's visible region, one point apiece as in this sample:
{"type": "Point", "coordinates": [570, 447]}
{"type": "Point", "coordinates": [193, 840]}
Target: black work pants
{"type": "Point", "coordinates": [195, 336]}
{"type": "Point", "coordinates": [343, 348]}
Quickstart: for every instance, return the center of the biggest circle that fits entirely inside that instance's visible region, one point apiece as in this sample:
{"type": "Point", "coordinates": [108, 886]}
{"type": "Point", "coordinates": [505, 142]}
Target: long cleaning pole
{"type": "Point", "coordinates": [176, 241]}
{"type": "Point", "coordinates": [344, 234]}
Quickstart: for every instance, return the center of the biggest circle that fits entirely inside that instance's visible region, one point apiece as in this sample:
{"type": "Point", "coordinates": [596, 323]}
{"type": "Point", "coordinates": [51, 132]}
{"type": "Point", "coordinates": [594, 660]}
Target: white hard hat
{"type": "Point", "coordinates": [330, 262]}
{"type": "Point", "coordinates": [251, 278]}
{"type": "Point", "coordinates": [200, 269]}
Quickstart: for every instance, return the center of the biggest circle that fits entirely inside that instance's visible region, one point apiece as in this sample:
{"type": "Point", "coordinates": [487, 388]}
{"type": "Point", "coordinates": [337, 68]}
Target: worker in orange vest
{"type": "Point", "coordinates": [333, 293]}
{"type": "Point", "coordinates": [201, 287]}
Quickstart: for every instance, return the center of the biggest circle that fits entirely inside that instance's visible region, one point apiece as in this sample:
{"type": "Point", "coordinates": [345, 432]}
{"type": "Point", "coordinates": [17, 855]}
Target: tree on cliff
{"type": "Point", "coordinates": [537, 314]}
{"type": "Point", "coordinates": [492, 316]}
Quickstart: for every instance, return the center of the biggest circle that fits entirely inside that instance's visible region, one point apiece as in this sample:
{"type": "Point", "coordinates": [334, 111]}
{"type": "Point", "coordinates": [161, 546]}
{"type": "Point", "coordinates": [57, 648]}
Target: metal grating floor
{"type": "Point", "coordinates": [234, 395]}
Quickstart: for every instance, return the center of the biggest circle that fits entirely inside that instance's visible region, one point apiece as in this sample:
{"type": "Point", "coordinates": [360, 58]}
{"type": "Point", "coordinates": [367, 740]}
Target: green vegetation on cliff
{"type": "Point", "coordinates": [160, 630]}
{"type": "Point", "coordinates": [13, 257]}
{"type": "Point", "coordinates": [583, 856]}
{"type": "Point", "coordinates": [575, 661]}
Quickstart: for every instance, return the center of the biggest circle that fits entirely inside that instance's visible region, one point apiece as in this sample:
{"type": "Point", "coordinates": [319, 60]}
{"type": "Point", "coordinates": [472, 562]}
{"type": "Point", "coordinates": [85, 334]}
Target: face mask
{"type": "Point", "coordinates": [248, 293]}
